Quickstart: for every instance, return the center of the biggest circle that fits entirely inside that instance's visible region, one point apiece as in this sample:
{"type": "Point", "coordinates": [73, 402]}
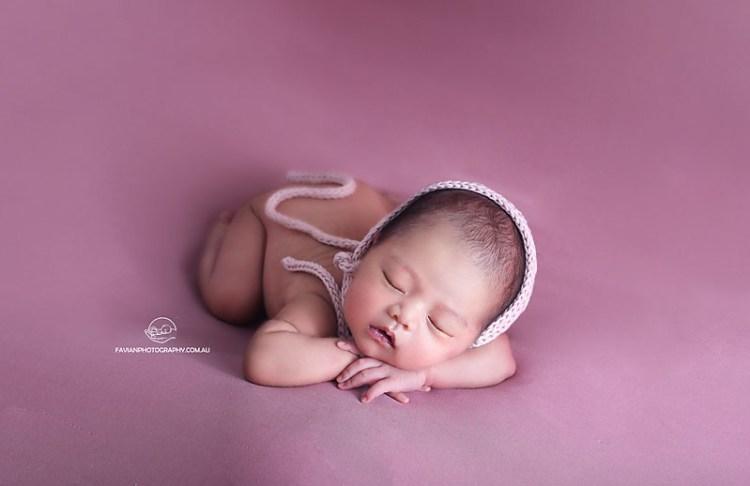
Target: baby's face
{"type": "Point", "coordinates": [426, 290]}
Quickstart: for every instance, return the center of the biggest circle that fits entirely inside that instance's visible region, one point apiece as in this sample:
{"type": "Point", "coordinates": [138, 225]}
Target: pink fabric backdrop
{"type": "Point", "coordinates": [620, 129]}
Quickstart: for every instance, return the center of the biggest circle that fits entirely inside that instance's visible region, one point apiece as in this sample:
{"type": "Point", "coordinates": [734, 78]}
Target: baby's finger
{"type": "Point", "coordinates": [399, 397]}
{"type": "Point", "coordinates": [347, 346]}
{"type": "Point", "coordinates": [355, 349]}
{"type": "Point", "coordinates": [379, 388]}
{"type": "Point", "coordinates": [355, 367]}
{"type": "Point", "coordinates": [365, 377]}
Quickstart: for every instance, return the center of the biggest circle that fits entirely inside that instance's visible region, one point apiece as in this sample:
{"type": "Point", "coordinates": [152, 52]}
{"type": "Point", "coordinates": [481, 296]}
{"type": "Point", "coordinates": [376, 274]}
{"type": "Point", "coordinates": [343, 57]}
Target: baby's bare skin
{"type": "Point", "coordinates": [241, 278]}
{"type": "Point", "coordinates": [242, 281]}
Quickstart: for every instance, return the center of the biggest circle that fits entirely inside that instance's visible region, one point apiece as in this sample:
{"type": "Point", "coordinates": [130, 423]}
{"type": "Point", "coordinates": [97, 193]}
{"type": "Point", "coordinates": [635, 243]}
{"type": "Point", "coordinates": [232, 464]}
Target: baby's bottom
{"type": "Point", "coordinates": [230, 270]}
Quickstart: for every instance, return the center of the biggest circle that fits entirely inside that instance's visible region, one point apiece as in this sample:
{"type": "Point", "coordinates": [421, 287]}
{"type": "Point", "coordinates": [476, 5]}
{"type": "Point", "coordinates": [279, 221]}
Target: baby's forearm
{"type": "Point", "coordinates": [474, 368]}
{"type": "Point", "coordinates": [293, 359]}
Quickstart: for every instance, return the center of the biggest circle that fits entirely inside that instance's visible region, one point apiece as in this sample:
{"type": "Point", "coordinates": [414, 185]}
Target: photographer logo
{"type": "Point", "coordinates": [161, 330]}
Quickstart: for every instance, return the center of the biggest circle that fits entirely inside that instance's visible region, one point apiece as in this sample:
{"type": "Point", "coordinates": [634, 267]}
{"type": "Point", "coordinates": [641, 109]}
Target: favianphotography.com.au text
{"type": "Point", "coordinates": [162, 349]}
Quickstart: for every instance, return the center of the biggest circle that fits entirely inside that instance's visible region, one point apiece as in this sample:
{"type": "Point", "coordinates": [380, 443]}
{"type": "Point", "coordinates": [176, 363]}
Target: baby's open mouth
{"type": "Point", "coordinates": [381, 336]}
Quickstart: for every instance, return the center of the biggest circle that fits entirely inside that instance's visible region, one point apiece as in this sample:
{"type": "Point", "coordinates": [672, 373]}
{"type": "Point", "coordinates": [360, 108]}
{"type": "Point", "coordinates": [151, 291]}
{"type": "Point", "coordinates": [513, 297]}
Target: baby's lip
{"type": "Point", "coordinates": [388, 332]}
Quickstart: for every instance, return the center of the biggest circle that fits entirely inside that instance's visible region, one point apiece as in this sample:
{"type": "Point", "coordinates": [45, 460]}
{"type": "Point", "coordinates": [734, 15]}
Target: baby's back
{"type": "Point", "coordinates": [350, 217]}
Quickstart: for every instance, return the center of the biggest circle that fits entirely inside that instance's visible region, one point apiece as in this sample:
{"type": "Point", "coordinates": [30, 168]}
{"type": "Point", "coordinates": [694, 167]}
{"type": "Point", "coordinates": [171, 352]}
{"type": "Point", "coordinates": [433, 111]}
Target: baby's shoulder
{"type": "Point", "coordinates": [311, 313]}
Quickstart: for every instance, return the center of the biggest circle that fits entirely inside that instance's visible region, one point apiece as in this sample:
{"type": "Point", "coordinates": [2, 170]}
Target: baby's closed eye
{"type": "Point", "coordinates": [390, 282]}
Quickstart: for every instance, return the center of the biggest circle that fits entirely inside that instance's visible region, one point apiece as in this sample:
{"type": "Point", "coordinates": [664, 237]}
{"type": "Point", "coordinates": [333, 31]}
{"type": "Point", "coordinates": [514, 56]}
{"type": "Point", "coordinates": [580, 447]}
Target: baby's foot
{"type": "Point", "coordinates": [213, 243]}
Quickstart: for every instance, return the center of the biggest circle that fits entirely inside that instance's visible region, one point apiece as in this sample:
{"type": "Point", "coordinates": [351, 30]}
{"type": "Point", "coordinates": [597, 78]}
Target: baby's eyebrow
{"type": "Point", "coordinates": [406, 267]}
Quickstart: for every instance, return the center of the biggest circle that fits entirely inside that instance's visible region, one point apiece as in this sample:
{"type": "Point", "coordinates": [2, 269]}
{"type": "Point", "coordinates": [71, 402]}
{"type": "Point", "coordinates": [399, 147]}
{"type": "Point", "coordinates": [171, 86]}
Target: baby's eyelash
{"type": "Point", "coordinates": [391, 283]}
{"type": "Point", "coordinates": [429, 319]}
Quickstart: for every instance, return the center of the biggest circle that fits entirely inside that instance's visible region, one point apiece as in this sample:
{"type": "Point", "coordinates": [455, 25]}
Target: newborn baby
{"type": "Point", "coordinates": [422, 299]}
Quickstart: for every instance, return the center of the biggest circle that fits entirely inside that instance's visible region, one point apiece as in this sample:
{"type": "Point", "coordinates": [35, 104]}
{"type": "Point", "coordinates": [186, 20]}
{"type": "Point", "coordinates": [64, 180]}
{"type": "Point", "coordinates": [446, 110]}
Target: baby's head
{"type": "Point", "coordinates": [435, 276]}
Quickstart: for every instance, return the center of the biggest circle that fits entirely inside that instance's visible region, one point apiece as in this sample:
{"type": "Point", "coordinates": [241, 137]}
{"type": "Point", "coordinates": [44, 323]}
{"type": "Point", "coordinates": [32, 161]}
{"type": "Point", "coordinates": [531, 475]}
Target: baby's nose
{"type": "Point", "coordinates": [399, 318]}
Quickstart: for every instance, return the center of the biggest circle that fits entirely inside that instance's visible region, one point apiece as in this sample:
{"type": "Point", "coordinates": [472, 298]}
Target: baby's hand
{"type": "Point", "coordinates": [388, 379]}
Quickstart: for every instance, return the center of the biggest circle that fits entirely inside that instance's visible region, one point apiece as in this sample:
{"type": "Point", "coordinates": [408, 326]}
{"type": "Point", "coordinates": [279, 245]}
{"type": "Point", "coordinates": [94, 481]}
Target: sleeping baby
{"type": "Point", "coordinates": [350, 285]}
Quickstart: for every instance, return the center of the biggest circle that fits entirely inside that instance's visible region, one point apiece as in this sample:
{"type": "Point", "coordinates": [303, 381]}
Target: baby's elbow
{"type": "Point", "coordinates": [509, 369]}
{"type": "Point", "coordinates": [512, 367]}
{"type": "Point", "coordinates": [256, 368]}
{"type": "Point", "coordinates": [257, 374]}
{"type": "Point", "coordinates": [251, 372]}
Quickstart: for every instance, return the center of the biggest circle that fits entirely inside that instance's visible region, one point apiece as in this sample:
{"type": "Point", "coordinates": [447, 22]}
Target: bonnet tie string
{"type": "Point", "coordinates": [343, 259]}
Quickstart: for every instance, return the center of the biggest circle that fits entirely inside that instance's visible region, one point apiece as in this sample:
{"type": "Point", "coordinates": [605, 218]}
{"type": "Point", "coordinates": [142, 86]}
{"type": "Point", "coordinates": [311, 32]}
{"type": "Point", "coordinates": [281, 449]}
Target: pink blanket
{"type": "Point", "coordinates": [620, 129]}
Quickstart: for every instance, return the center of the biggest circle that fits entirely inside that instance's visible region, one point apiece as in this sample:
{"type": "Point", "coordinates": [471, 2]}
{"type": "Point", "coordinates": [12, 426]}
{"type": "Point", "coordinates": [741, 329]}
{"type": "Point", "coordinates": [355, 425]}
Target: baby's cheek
{"type": "Point", "coordinates": [360, 303]}
{"type": "Point", "coordinates": [413, 361]}
{"type": "Point", "coordinates": [420, 356]}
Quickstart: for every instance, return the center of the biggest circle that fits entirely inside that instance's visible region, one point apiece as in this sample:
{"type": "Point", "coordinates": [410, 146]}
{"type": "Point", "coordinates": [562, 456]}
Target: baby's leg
{"type": "Point", "coordinates": [230, 271]}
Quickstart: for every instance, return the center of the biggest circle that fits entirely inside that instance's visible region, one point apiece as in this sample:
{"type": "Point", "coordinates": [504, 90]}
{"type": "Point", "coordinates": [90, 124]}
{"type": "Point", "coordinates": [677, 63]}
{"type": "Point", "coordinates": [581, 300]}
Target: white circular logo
{"type": "Point", "coordinates": [161, 330]}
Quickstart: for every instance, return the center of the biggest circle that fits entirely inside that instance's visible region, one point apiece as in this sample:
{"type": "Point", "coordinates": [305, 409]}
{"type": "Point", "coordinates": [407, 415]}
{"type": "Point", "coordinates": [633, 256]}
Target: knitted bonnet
{"type": "Point", "coordinates": [348, 260]}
